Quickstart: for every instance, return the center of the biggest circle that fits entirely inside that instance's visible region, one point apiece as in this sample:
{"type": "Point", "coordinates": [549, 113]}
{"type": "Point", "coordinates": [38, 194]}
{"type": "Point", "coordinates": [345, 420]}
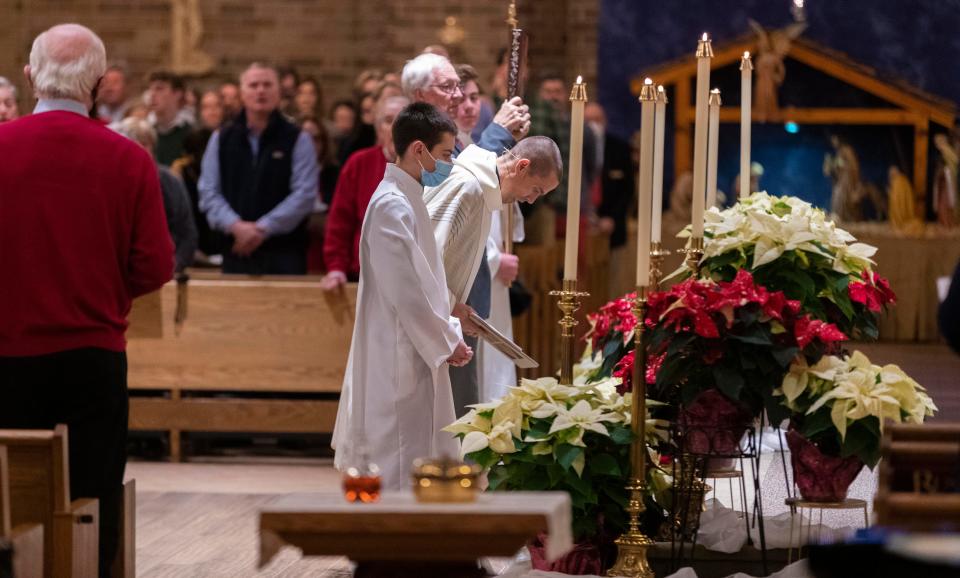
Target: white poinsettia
{"type": "Point", "coordinates": [581, 418]}
{"type": "Point", "coordinates": [772, 226]}
{"type": "Point", "coordinates": [498, 439]}
{"type": "Point", "coordinates": [854, 388]}
{"type": "Point", "coordinates": [471, 422]}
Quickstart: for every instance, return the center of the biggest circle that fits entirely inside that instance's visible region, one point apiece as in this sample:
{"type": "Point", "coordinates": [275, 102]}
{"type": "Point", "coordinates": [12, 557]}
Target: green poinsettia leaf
{"type": "Point", "coordinates": [485, 458]}
{"type": "Point", "coordinates": [604, 465]}
{"type": "Point", "coordinates": [863, 440]}
{"type": "Point", "coordinates": [566, 453]}
{"type": "Point", "coordinates": [816, 423]}
{"type": "Point", "coordinates": [785, 355]}
{"type": "Point", "coordinates": [497, 477]}
{"type": "Point", "coordinates": [620, 435]}
{"type": "Point", "coordinates": [729, 381]}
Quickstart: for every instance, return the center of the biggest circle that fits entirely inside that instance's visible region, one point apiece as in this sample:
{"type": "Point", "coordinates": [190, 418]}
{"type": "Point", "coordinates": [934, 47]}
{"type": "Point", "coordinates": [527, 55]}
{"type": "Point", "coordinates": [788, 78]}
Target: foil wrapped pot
{"type": "Point", "coordinates": [445, 480]}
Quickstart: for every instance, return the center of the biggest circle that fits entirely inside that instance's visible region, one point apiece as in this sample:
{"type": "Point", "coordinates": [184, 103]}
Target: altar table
{"type": "Point", "coordinates": [404, 535]}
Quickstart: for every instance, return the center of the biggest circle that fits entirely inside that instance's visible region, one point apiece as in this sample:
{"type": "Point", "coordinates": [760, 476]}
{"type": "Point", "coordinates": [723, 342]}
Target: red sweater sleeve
{"type": "Point", "coordinates": [151, 260]}
{"type": "Point", "coordinates": [342, 221]}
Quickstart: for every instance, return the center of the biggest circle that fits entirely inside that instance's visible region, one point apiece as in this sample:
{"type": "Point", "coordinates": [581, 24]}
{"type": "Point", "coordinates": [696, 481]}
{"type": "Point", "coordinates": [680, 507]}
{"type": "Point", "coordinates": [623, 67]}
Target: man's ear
{"type": "Point", "coordinates": [26, 73]}
{"type": "Point", "coordinates": [522, 166]}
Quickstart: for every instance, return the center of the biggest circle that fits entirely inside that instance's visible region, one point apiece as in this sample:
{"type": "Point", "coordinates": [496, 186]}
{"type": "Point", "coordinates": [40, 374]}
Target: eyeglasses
{"type": "Point", "coordinates": [449, 87]}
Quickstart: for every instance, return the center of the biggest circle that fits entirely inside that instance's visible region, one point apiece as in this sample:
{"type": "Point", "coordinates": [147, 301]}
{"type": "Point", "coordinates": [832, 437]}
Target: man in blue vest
{"type": "Point", "coordinates": [258, 182]}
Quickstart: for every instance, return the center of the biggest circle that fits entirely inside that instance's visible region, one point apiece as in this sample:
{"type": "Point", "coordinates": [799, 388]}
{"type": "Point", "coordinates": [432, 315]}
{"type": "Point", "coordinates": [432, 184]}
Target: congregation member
{"type": "Point", "coordinates": [211, 113]}
{"type": "Point", "coordinates": [461, 209]}
{"type": "Point", "coordinates": [83, 234]}
{"type": "Point", "coordinates": [613, 189]}
{"type": "Point", "coordinates": [258, 182]}
{"type": "Point", "coordinates": [112, 97]}
{"type": "Point", "coordinates": [289, 81]}
{"type": "Point", "coordinates": [176, 200]}
{"type": "Point", "coordinates": [8, 101]}
{"type": "Point", "coordinates": [308, 101]}
{"type": "Point", "coordinates": [343, 121]}
{"type": "Point", "coordinates": [230, 97]}
{"type": "Point", "coordinates": [396, 395]}
{"type": "Point", "coordinates": [165, 97]}
{"type": "Point", "coordinates": [355, 186]}
{"type": "Point", "coordinates": [326, 184]}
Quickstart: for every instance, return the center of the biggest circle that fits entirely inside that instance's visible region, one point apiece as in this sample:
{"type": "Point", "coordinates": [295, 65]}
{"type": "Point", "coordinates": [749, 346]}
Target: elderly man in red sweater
{"type": "Point", "coordinates": [357, 182]}
{"type": "Point", "coordinates": [82, 233]}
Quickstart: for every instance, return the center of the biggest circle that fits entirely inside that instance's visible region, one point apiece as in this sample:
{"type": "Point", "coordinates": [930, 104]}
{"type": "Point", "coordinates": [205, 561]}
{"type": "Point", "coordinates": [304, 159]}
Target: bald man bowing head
{"type": "Point", "coordinates": [461, 209]}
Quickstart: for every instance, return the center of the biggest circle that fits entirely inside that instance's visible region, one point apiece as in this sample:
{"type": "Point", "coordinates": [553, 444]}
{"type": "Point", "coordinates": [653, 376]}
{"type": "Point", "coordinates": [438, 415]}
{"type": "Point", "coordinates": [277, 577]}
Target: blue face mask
{"type": "Point", "coordinates": [439, 174]}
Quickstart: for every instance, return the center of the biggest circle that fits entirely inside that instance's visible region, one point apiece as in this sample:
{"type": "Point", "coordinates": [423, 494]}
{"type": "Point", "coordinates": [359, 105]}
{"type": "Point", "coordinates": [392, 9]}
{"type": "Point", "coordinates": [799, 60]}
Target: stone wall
{"type": "Point", "coordinates": [331, 40]}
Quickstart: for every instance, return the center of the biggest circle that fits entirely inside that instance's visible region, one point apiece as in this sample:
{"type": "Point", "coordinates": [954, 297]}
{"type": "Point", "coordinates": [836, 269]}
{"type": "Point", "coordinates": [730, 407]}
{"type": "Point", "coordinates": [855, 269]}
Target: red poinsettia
{"type": "Point", "coordinates": [806, 330]}
{"type": "Point", "coordinates": [624, 370]}
{"type": "Point", "coordinates": [874, 292]}
{"type": "Point", "coordinates": [615, 316]}
{"type": "Point", "coordinates": [735, 336]}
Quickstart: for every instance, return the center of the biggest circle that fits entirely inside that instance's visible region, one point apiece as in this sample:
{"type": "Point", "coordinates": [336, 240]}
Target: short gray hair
{"type": "Point", "coordinates": [4, 83]}
{"type": "Point", "coordinates": [67, 61]}
{"type": "Point", "coordinates": [543, 154]}
{"type": "Point", "coordinates": [418, 73]}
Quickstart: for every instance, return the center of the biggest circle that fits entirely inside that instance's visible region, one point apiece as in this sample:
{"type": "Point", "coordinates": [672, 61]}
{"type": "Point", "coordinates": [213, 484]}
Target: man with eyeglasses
{"type": "Point", "coordinates": [431, 78]}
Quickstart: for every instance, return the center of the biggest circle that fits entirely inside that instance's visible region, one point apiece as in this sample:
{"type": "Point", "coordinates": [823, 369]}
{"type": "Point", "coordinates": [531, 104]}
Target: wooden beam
{"type": "Point", "coordinates": [921, 151]}
{"type": "Point", "coordinates": [233, 415]}
{"type": "Point", "coordinates": [869, 83]}
{"type": "Point", "coordinates": [861, 116]}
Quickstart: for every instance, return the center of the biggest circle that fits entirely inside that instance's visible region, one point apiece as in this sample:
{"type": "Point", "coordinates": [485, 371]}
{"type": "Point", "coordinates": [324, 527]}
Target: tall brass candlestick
{"type": "Point", "coordinates": [632, 546]}
{"type": "Point", "coordinates": [568, 303]}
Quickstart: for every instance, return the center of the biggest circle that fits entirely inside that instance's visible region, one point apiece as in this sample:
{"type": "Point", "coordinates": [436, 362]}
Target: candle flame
{"type": "Point", "coordinates": [648, 81]}
{"type": "Point", "coordinates": [746, 54]}
{"type": "Point", "coordinates": [579, 79]}
{"type": "Point", "coordinates": [660, 88]}
{"type": "Point", "coordinates": [705, 37]}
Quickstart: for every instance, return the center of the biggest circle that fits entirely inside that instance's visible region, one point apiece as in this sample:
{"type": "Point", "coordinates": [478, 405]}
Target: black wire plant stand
{"type": "Point", "coordinates": [691, 469]}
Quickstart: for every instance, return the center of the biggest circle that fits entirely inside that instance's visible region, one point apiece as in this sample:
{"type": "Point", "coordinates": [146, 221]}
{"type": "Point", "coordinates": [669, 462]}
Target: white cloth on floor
{"type": "Point", "coordinates": [396, 394]}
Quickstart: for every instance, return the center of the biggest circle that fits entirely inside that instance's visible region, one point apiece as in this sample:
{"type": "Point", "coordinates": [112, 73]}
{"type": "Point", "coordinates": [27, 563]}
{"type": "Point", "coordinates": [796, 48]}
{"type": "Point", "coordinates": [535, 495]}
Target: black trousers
{"type": "Point", "coordinates": [86, 389]}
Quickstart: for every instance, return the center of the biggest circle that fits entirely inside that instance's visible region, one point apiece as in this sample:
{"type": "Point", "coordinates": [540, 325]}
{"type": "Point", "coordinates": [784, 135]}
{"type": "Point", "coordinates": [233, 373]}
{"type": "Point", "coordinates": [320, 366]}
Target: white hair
{"type": "Point", "coordinates": [4, 83]}
{"type": "Point", "coordinates": [418, 73]}
{"type": "Point", "coordinates": [139, 130]}
{"type": "Point", "coordinates": [67, 61]}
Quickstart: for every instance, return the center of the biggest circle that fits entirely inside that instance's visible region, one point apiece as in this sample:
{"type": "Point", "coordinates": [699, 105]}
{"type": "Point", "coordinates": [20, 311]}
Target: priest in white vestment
{"type": "Point", "coordinates": [463, 205]}
{"type": "Point", "coordinates": [396, 393]}
{"type": "Point", "coordinates": [497, 371]}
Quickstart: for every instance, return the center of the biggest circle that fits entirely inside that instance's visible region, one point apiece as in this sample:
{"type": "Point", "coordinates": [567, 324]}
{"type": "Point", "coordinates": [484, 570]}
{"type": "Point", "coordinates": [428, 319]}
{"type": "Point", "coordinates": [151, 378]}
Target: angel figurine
{"type": "Point", "coordinates": [772, 48]}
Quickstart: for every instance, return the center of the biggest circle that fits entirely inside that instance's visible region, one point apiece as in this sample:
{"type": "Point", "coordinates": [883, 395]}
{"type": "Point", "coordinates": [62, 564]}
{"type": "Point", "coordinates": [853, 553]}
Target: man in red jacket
{"type": "Point", "coordinates": [358, 180]}
{"type": "Point", "coordinates": [82, 233]}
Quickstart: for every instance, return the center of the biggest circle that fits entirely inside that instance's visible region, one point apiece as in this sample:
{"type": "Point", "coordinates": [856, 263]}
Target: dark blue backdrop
{"type": "Point", "coordinates": [916, 40]}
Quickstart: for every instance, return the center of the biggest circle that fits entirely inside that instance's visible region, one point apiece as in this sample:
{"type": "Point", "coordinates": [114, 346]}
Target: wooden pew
{"type": "Point", "coordinates": [919, 485]}
{"type": "Point", "coordinates": [39, 477]}
{"type": "Point", "coordinates": [277, 338]}
{"type": "Point", "coordinates": [278, 347]}
{"type": "Point", "coordinates": [26, 540]}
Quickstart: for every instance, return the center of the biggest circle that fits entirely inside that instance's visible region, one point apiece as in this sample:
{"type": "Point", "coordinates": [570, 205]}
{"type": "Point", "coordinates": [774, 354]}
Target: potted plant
{"type": "Point", "coordinates": [789, 245]}
{"type": "Point", "coordinates": [546, 436]}
{"type": "Point", "coordinates": [718, 350]}
{"type": "Point", "coordinates": [837, 408]}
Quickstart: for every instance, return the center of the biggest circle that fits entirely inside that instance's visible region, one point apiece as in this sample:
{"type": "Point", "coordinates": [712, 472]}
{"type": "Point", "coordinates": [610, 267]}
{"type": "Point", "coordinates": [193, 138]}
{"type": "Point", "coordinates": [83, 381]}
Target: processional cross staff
{"type": "Point", "coordinates": [515, 68]}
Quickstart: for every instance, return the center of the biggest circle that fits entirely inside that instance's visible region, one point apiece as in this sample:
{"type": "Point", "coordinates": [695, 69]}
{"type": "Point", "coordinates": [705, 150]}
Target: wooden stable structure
{"type": "Point", "coordinates": [268, 354]}
{"type": "Point", "coordinates": [908, 106]}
